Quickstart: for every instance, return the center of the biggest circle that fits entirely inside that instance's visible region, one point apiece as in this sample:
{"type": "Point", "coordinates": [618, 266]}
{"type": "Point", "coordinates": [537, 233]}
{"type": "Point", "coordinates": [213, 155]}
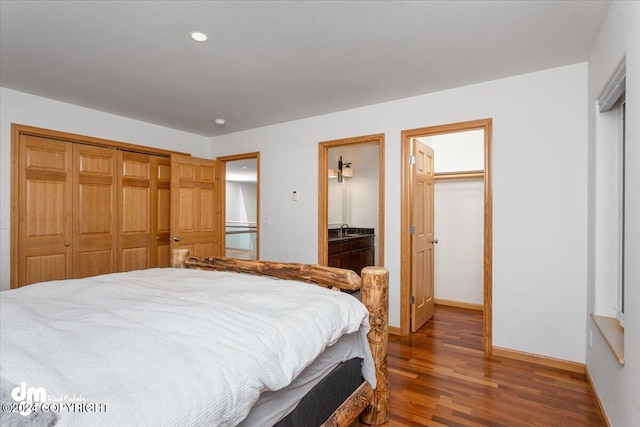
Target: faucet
{"type": "Point", "coordinates": [342, 227]}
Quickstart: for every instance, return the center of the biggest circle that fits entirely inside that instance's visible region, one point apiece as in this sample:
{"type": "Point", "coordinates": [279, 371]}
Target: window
{"type": "Point", "coordinates": [623, 138]}
{"type": "Point", "coordinates": [609, 210]}
{"type": "Point", "coordinates": [612, 109]}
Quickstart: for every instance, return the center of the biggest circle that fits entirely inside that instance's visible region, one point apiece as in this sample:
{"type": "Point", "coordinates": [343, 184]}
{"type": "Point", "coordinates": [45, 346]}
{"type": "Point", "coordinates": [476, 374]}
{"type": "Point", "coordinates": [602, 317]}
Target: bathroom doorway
{"type": "Point", "coordinates": [351, 202]}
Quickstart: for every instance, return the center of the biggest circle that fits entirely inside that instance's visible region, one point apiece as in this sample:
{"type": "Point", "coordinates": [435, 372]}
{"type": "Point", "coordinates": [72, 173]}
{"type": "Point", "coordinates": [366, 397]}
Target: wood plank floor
{"type": "Point", "coordinates": [440, 376]}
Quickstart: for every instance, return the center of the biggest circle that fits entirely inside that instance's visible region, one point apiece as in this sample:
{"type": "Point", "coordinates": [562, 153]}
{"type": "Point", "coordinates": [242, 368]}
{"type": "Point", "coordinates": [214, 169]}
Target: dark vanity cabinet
{"type": "Point", "coordinates": [352, 253]}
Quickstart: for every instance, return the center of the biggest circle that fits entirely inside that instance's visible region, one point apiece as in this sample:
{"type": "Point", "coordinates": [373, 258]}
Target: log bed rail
{"type": "Point", "coordinates": [370, 404]}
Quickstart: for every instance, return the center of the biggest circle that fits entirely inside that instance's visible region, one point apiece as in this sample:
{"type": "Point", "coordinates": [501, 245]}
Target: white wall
{"type": "Point", "coordinates": [458, 151]}
{"type": "Point", "coordinates": [25, 109]}
{"type": "Point", "coordinates": [459, 218]}
{"type": "Point", "coordinates": [617, 386]}
{"type": "Point", "coordinates": [539, 191]}
{"type": "Point", "coordinates": [459, 228]}
{"type": "Point", "coordinates": [241, 200]}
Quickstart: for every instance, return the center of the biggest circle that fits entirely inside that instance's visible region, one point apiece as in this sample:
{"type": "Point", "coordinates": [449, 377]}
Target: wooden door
{"type": "Point", "coordinates": [422, 293]}
{"type": "Point", "coordinates": [144, 211]}
{"type": "Point", "coordinates": [94, 210]}
{"type": "Point", "coordinates": [197, 205]}
{"type": "Point", "coordinates": [45, 174]}
{"type": "Point", "coordinates": [161, 211]}
{"type": "Point", "coordinates": [135, 220]}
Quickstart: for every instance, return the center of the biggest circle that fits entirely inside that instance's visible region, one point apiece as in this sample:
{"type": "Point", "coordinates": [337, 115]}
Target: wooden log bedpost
{"type": "Point", "coordinates": [375, 296]}
{"type": "Point", "coordinates": [371, 405]}
{"type": "Point", "coordinates": [178, 257]}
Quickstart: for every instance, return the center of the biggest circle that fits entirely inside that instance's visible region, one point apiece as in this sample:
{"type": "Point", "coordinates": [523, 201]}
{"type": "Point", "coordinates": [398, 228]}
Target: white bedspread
{"type": "Point", "coordinates": [169, 347]}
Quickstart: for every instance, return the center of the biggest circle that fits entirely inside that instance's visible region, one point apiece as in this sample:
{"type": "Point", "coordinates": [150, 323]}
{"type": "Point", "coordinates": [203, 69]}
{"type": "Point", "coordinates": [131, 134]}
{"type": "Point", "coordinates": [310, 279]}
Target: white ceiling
{"type": "Point", "coordinates": [244, 170]}
{"type": "Point", "coordinates": [270, 62]}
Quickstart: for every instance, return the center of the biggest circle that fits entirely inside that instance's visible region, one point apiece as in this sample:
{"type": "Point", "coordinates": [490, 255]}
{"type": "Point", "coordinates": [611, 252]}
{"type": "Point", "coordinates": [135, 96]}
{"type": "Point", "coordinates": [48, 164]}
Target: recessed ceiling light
{"type": "Point", "coordinates": [198, 36]}
{"type": "Point", "coordinates": [220, 122]}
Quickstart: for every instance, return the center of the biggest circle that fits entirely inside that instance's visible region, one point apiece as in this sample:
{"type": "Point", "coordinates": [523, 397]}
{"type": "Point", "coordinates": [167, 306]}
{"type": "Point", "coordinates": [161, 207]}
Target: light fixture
{"type": "Point", "coordinates": [198, 36]}
{"type": "Point", "coordinates": [344, 170]}
{"type": "Point", "coordinates": [220, 122]}
{"type": "Point", "coordinates": [347, 171]}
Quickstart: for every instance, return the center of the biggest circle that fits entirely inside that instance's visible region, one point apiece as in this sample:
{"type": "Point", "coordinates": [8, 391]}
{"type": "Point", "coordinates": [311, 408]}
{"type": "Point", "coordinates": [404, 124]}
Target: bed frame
{"type": "Point", "coordinates": [370, 404]}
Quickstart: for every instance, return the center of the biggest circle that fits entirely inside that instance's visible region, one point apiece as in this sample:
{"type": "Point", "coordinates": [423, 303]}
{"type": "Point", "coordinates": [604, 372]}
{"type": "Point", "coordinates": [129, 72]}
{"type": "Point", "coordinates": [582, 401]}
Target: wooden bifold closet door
{"type": "Point", "coordinates": [84, 210]}
{"type": "Point", "coordinates": [93, 215]}
{"type": "Point", "coordinates": [45, 203]}
{"type": "Point", "coordinates": [143, 211]}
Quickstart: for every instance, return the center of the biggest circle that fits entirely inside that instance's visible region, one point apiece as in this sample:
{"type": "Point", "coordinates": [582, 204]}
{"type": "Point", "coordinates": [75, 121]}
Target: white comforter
{"type": "Point", "coordinates": [169, 347]}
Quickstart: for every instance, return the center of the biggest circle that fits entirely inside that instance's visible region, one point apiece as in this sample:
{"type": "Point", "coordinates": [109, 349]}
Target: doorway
{"type": "Point", "coordinates": [350, 170]}
{"type": "Point", "coordinates": [242, 205]}
{"type": "Point", "coordinates": [406, 238]}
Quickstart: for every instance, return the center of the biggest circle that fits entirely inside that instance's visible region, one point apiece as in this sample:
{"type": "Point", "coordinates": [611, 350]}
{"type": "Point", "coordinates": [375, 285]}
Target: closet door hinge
{"type": "Point", "coordinates": [412, 300]}
{"type": "Point", "coordinates": [412, 229]}
{"type": "Point", "coordinates": [412, 160]}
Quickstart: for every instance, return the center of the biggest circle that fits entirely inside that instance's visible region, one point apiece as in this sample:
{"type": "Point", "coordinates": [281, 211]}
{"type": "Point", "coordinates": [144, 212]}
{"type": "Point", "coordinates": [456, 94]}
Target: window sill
{"type": "Point", "coordinates": [613, 333]}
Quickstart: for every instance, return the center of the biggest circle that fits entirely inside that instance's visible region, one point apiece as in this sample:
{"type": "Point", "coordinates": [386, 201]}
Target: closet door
{"type": "Point", "coordinates": [94, 210]}
{"type": "Point", "coordinates": [135, 222]}
{"type": "Point", "coordinates": [161, 206]}
{"type": "Point", "coordinates": [144, 211]}
{"type": "Point", "coordinates": [44, 210]}
{"type": "Point", "coordinates": [197, 203]}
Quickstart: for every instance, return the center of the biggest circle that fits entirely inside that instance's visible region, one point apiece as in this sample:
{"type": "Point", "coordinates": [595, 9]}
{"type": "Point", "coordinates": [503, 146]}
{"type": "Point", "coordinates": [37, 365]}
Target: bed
{"type": "Point", "coordinates": [67, 337]}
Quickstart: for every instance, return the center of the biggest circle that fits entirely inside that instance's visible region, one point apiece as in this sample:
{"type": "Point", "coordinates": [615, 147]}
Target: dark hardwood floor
{"type": "Point", "coordinates": [440, 376]}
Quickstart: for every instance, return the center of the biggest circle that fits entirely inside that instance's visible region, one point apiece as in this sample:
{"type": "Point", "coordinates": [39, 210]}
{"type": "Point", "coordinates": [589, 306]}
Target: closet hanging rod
{"type": "Point", "coordinates": [477, 174]}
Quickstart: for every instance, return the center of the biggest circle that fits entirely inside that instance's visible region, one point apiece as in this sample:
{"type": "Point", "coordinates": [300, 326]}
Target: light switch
{"type": "Point", "coordinates": [294, 195]}
{"type": "Point", "coordinates": [266, 220]}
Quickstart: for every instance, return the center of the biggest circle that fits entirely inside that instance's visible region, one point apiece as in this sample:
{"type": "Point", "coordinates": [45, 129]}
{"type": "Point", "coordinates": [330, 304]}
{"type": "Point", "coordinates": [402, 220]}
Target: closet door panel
{"type": "Point", "coordinates": [135, 258]}
{"type": "Point", "coordinates": [197, 203]}
{"type": "Point", "coordinates": [94, 262]}
{"type": "Point", "coordinates": [161, 246]}
{"type": "Point", "coordinates": [44, 206]}
{"type": "Point", "coordinates": [134, 207]}
{"type": "Point", "coordinates": [47, 199]}
{"type": "Point", "coordinates": [94, 208]}
{"type": "Point", "coordinates": [45, 267]}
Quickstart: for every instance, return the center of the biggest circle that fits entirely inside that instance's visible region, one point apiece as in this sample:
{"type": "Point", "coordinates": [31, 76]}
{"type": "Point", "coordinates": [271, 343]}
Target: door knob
{"type": "Point", "coordinates": [434, 241]}
{"type": "Point", "coordinates": [176, 238]}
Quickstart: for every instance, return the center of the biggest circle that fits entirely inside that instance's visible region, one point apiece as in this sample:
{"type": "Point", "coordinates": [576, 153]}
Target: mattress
{"type": "Point", "coordinates": [274, 406]}
{"type": "Point", "coordinates": [170, 344]}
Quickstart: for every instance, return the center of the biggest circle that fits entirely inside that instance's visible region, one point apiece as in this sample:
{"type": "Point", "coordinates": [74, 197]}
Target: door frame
{"type": "Point", "coordinates": [244, 156]}
{"type": "Point", "coordinates": [405, 218]}
{"type": "Point", "coordinates": [323, 191]}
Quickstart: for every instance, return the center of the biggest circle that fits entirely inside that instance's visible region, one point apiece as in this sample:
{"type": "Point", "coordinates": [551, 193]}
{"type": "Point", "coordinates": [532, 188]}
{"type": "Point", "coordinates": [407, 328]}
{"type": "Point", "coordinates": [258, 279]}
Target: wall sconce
{"type": "Point", "coordinates": [344, 170]}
